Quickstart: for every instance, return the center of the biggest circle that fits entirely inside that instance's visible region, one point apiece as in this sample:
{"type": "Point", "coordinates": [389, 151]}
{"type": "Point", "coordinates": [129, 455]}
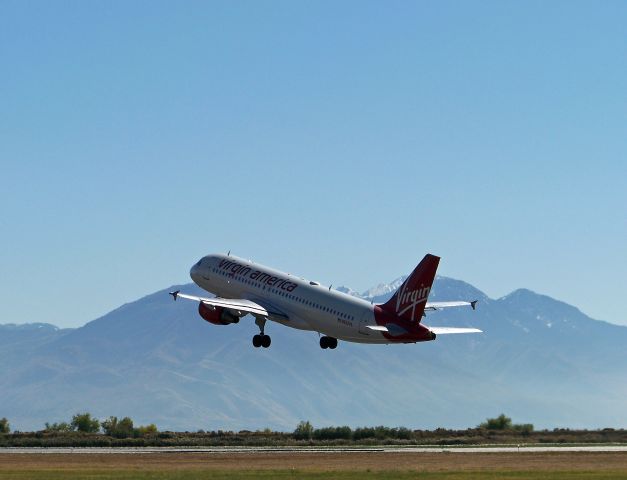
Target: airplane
{"type": "Point", "coordinates": [243, 287]}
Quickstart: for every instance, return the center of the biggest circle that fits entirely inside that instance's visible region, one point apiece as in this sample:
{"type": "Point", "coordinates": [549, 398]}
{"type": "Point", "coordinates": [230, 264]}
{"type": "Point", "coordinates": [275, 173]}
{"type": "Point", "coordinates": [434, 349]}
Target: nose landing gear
{"type": "Point", "coordinates": [328, 342]}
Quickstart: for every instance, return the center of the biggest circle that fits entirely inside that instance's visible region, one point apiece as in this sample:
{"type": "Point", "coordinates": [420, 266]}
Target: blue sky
{"type": "Point", "coordinates": [337, 140]}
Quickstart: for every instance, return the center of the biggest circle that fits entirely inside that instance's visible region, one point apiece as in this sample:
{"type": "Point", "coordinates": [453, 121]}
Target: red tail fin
{"type": "Point", "coordinates": [408, 302]}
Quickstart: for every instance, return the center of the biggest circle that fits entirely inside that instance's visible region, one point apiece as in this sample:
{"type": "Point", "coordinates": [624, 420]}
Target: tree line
{"type": "Point", "coordinates": [83, 430]}
{"type": "Point", "coordinates": [305, 430]}
{"type": "Point", "coordinates": [125, 428]}
{"type": "Point", "coordinates": [85, 423]}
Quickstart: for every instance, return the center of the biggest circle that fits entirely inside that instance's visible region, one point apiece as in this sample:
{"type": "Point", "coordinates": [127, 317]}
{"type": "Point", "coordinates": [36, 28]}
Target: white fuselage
{"type": "Point", "coordinates": [308, 305]}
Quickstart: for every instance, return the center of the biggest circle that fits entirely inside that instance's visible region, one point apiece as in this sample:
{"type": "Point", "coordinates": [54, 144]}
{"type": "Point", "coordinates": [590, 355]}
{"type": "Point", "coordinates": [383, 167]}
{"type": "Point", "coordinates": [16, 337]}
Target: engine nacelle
{"type": "Point", "coordinates": [216, 315]}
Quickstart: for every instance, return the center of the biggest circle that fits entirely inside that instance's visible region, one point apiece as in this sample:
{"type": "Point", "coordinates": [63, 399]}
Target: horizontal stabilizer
{"type": "Point", "coordinates": [447, 330]}
{"type": "Point", "coordinates": [441, 305]}
{"type": "Point", "coordinates": [377, 328]}
{"type": "Point", "coordinates": [391, 328]}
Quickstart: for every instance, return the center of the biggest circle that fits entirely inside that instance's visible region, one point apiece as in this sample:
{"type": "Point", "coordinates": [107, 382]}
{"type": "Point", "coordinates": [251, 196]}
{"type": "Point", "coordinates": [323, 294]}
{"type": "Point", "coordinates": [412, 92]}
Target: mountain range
{"type": "Point", "coordinates": [539, 360]}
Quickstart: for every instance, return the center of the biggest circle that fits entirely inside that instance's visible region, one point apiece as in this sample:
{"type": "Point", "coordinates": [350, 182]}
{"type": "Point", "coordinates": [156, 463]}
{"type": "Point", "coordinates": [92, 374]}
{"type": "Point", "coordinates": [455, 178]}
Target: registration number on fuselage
{"type": "Point", "coordinates": [345, 322]}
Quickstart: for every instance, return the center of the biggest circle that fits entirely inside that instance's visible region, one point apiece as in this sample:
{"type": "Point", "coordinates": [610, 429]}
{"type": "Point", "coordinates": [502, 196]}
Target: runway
{"type": "Point", "coordinates": [313, 450]}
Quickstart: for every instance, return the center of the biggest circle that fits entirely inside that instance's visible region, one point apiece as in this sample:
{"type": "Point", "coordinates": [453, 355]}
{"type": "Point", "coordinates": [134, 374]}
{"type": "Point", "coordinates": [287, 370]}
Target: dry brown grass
{"type": "Point", "coordinates": [320, 462]}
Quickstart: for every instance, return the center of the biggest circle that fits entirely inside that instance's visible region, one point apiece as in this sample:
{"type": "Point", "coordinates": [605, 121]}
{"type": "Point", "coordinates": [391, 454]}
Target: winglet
{"type": "Point", "coordinates": [175, 294]}
{"type": "Point", "coordinates": [473, 304]}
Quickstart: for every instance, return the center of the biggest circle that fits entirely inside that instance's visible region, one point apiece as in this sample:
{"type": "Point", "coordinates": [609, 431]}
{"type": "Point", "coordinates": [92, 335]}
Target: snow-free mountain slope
{"type": "Point", "coordinates": [540, 360]}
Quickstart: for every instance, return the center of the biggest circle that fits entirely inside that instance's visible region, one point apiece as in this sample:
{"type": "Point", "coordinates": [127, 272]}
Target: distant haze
{"type": "Point", "coordinates": [539, 361]}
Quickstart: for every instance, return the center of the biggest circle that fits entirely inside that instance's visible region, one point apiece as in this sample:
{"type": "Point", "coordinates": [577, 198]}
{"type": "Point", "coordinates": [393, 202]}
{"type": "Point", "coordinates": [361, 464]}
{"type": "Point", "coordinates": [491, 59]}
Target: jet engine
{"type": "Point", "coordinates": [216, 315]}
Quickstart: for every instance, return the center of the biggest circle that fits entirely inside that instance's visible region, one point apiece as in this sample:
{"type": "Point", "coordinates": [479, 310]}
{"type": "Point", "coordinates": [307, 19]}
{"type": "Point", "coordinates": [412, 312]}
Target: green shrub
{"type": "Point", "coordinates": [62, 427]}
{"type": "Point", "coordinates": [501, 422]}
{"type": "Point", "coordinates": [146, 430]}
{"type": "Point", "coordinates": [304, 431]}
{"type": "Point", "coordinates": [124, 428]}
{"type": "Point", "coordinates": [363, 432]}
{"type": "Point", "coordinates": [333, 433]}
{"type": "Point", "coordinates": [382, 433]}
{"type": "Point", "coordinates": [4, 425]}
{"type": "Point", "coordinates": [83, 422]}
{"type": "Point", "coordinates": [523, 428]}
{"type": "Point", "coordinates": [118, 428]}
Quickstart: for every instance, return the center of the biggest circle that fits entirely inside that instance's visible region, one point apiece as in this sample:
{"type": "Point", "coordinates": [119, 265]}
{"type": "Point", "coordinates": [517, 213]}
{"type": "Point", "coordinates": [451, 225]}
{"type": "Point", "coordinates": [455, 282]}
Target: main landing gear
{"type": "Point", "coordinates": [328, 342]}
{"type": "Point", "coordinates": [262, 340]}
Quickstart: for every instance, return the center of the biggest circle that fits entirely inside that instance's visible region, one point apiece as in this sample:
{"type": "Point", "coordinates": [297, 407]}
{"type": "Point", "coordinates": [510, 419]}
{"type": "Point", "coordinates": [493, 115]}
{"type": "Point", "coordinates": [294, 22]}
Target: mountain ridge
{"type": "Point", "coordinates": [157, 361]}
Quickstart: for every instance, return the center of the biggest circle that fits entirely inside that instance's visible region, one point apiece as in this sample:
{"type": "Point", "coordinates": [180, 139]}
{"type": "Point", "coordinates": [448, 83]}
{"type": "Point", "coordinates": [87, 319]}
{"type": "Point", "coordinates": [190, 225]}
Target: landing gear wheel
{"type": "Point", "coordinates": [261, 340]}
{"type": "Point", "coordinates": [332, 342]}
{"type": "Point", "coordinates": [328, 342]}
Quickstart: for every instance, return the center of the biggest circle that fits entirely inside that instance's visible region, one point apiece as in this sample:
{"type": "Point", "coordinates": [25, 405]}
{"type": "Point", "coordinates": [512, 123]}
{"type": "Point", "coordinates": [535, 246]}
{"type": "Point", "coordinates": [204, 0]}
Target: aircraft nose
{"type": "Point", "coordinates": [194, 272]}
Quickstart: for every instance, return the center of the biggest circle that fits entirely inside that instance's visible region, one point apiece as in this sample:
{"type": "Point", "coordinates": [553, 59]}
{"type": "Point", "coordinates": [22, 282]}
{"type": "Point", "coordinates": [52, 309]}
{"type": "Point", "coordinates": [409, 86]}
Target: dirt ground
{"type": "Point", "coordinates": [316, 462]}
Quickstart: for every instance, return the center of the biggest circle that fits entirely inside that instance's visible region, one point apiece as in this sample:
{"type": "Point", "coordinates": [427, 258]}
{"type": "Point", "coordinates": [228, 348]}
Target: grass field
{"type": "Point", "coordinates": [282, 474]}
{"type": "Point", "coordinates": [346, 466]}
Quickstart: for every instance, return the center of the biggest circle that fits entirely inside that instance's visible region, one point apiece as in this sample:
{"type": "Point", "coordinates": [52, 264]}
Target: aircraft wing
{"type": "Point", "coordinates": [239, 306]}
{"type": "Point", "coordinates": [448, 330]}
{"type": "Point", "coordinates": [440, 305]}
